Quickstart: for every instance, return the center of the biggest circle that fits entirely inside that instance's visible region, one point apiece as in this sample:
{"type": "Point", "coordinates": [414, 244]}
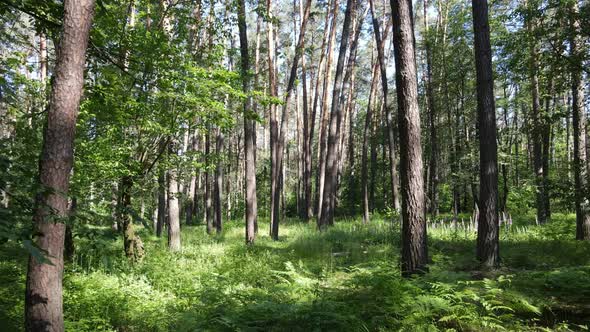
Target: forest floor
{"type": "Point", "coordinates": [345, 279]}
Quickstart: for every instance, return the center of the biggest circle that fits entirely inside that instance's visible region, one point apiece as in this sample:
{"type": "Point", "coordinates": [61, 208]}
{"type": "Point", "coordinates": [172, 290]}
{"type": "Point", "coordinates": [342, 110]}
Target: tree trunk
{"type": "Point", "coordinates": [431, 111]}
{"type": "Point", "coordinates": [330, 185]}
{"type": "Point", "coordinates": [536, 124]}
{"type": "Point", "coordinates": [190, 201]}
{"type": "Point", "coordinates": [579, 129]}
{"type": "Point", "coordinates": [272, 81]}
{"type": "Point", "coordinates": [366, 133]}
{"type": "Point", "coordinates": [249, 127]}
{"type": "Point", "coordinates": [218, 186]}
{"type": "Point", "coordinates": [414, 250]}
{"type": "Point", "coordinates": [347, 99]}
{"type": "Point", "coordinates": [324, 118]}
{"type": "Point", "coordinates": [162, 188]}
{"type": "Point", "coordinates": [388, 116]}
{"type": "Point", "coordinates": [69, 247]}
{"type": "Point", "coordinates": [306, 212]}
{"type": "Point", "coordinates": [132, 244]}
{"type": "Point", "coordinates": [173, 206]}
{"type": "Point", "coordinates": [208, 199]}
{"type": "Point", "coordinates": [488, 252]}
{"type": "Point", "coordinates": [278, 153]}
{"type": "Point", "coordinates": [312, 205]}
{"type": "Point", "coordinates": [546, 140]}
{"type": "Point", "coordinates": [115, 206]}
{"type": "Point", "coordinates": [42, 58]}
{"type": "Point", "coordinates": [43, 300]}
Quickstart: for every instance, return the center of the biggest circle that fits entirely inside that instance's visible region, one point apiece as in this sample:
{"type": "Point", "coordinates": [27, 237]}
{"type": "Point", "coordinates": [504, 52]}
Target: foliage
{"type": "Point", "coordinates": [343, 279]}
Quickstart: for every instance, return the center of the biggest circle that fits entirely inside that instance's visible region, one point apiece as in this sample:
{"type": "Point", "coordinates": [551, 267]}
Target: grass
{"type": "Point", "coordinates": [345, 279]}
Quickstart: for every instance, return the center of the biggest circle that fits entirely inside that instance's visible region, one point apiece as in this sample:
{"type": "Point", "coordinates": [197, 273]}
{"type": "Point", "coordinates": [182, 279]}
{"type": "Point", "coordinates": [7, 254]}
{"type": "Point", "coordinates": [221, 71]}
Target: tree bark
{"type": "Point", "coordinates": [132, 244]}
{"type": "Point", "coordinates": [431, 107]}
{"type": "Point", "coordinates": [414, 250]}
{"type": "Point", "coordinates": [365, 146]}
{"type": "Point", "coordinates": [312, 204]}
{"type": "Point", "coordinates": [536, 124]}
{"type": "Point", "coordinates": [330, 179]}
{"type": "Point", "coordinates": [249, 127]}
{"type": "Point", "coordinates": [173, 206]}
{"type": "Point", "coordinates": [278, 153]}
{"type": "Point", "coordinates": [208, 196]}
{"type": "Point", "coordinates": [43, 300]}
{"type": "Point", "coordinates": [324, 117]}
{"type": "Point", "coordinates": [488, 252]}
{"type": "Point", "coordinates": [579, 129]}
{"type": "Point", "coordinates": [306, 211]}
{"type": "Point", "coordinates": [69, 247]}
{"type": "Point", "coordinates": [218, 187]}
{"type": "Point", "coordinates": [546, 144]}
{"type": "Point", "coordinates": [388, 116]}
{"type": "Point", "coordinates": [273, 92]}
{"type": "Point", "coordinates": [161, 202]}
{"type": "Point", "coordinates": [190, 191]}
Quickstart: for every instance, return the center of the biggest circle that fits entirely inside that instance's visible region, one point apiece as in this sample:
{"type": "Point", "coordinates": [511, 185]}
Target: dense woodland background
{"type": "Point", "coordinates": [294, 165]}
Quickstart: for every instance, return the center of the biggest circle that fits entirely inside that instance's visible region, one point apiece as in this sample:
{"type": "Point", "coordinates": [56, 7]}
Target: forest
{"type": "Point", "coordinates": [294, 165]}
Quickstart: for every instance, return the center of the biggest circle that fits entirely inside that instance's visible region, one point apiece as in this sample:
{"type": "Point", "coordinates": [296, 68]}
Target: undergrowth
{"type": "Point", "coordinates": [344, 279]}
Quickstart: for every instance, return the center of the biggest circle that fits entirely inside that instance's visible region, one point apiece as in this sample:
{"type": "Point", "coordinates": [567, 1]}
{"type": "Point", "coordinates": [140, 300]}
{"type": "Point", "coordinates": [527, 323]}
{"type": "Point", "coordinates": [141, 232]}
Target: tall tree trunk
{"type": "Point", "coordinates": [330, 185]}
{"type": "Point", "coordinates": [365, 146]}
{"type": "Point", "coordinates": [192, 183]}
{"type": "Point", "coordinates": [347, 99]}
{"type": "Point", "coordinates": [324, 117]}
{"type": "Point", "coordinates": [414, 250]}
{"type": "Point", "coordinates": [162, 188]}
{"type": "Point", "coordinates": [579, 128]}
{"type": "Point", "coordinates": [173, 205]}
{"type": "Point", "coordinates": [431, 111]}
{"type": "Point", "coordinates": [42, 58]}
{"type": "Point", "coordinates": [546, 140]}
{"type": "Point", "coordinates": [374, 144]}
{"type": "Point", "coordinates": [69, 247]}
{"type": "Point", "coordinates": [306, 212]}
{"type": "Point", "coordinates": [388, 114]}
{"type": "Point", "coordinates": [208, 195]}
{"type": "Point", "coordinates": [488, 252]}
{"type": "Point", "coordinates": [274, 130]}
{"type": "Point", "coordinates": [312, 205]}
{"type": "Point", "coordinates": [43, 300]}
{"type": "Point", "coordinates": [249, 125]}
{"type": "Point", "coordinates": [115, 207]}
{"type": "Point", "coordinates": [536, 123]}
{"type": "Point", "coordinates": [218, 185]}
{"type": "Point", "coordinates": [284, 119]}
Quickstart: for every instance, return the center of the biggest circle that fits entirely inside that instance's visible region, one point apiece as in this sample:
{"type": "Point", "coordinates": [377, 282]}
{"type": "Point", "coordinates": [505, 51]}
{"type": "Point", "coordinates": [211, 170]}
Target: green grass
{"type": "Point", "coordinates": [345, 279]}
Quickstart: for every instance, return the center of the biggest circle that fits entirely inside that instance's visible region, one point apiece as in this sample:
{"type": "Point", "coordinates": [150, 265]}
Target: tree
{"type": "Point", "coordinates": [249, 130]}
{"type": "Point", "coordinates": [414, 249]}
{"type": "Point", "coordinates": [536, 116]}
{"type": "Point", "coordinates": [173, 206]}
{"type": "Point", "coordinates": [324, 117]}
{"type": "Point", "coordinates": [579, 124]}
{"type": "Point", "coordinates": [431, 108]}
{"type": "Point", "coordinates": [43, 300]}
{"type": "Point", "coordinates": [488, 252]}
{"type": "Point", "coordinates": [365, 148]}
{"type": "Point", "coordinates": [218, 183]}
{"type": "Point", "coordinates": [161, 202]}
{"type": "Point", "coordinates": [330, 185]}
{"type": "Point", "coordinates": [388, 116]}
{"type": "Point", "coordinates": [280, 131]}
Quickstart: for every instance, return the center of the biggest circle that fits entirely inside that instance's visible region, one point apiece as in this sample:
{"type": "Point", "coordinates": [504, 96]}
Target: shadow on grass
{"type": "Point", "coordinates": [13, 267]}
